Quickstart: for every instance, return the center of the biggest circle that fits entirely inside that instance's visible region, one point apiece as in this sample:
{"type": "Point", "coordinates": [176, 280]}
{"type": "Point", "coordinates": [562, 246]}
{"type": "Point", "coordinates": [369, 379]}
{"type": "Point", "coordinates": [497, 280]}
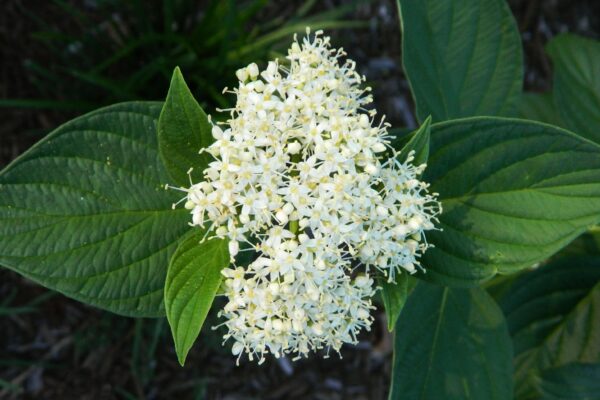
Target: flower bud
{"type": "Point", "coordinates": [294, 148]}
{"type": "Point", "coordinates": [242, 74]}
{"type": "Point", "coordinates": [234, 248]}
{"type": "Point", "coordinates": [277, 325]}
{"type": "Point", "coordinates": [253, 70]}
{"type": "Point", "coordinates": [281, 217]}
{"type": "Point", "coordinates": [288, 208]}
{"type": "Point", "coordinates": [382, 211]}
{"type": "Point", "coordinates": [378, 147]}
{"type": "Point", "coordinates": [237, 348]}
{"type": "Point", "coordinates": [363, 314]}
{"type": "Point", "coordinates": [371, 169]}
{"type": "Point", "coordinates": [362, 281]}
{"type": "Point", "coordinates": [415, 222]}
{"type": "Point", "coordinates": [317, 329]}
{"type": "Point", "coordinates": [217, 132]}
{"type": "Point", "coordinates": [364, 121]}
{"type": "Point", "coordinates": [274, 288]}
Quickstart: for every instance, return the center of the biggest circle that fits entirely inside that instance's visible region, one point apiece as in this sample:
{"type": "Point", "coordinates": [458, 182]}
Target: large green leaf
{"type": "Point", "coordinates": [451, 344]}
{"type": "Point", "coordinates": [513, 192]}
{"type": "Point", "coordinates": [552, 315]}
{"type": "Point", "coordinates": [85, 211]}
{"type": "Point", "coordinates": [576, 381]}
{"type": "Point", "coordinates": [183, 130]}
{"type": "Point", "coordinates": [462, 57]}
{"type": "Point", "coordinates": [577, 83]}
{"type": "Point", "coordinates": [192, 282]}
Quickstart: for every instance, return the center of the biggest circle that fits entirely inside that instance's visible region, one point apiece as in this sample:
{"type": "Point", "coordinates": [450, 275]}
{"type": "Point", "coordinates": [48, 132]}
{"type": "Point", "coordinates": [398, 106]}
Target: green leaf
{"type": "Point", "coordinates": [394, 296]}
{"type": "Point", "coordinates": [85, 212]}
{"type": "Point", "coordinates": [577, 83]}
{"type": "Point", "coordinates": [183, 130]}
{"type": "Point", "coordinates": [552, 316]}
{"type": "Point", "coordinates": [462, 57]}
{"type": "Point", "coordinates": [193, 279]}
{"type": "Point", "coordinates": [513, 192]}
{"type": "Point", "coordinates": [451, 344]}
{"type": "Point", "coordinates": [419, 143]}
{"type": "Point", "coordinates": [574, 381]}
{"type": "Point", "coordinates": [539, 107]}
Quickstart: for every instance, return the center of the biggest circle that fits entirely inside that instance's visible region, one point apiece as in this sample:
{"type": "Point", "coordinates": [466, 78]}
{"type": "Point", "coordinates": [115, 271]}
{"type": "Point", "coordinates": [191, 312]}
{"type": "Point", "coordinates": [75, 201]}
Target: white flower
{"type": "Point", "coordinates": [300, 176]}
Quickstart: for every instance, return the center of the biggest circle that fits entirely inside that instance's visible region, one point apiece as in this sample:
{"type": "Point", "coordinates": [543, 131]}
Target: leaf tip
{"type": "Point", "coordinates": [182, 352]}
{"type": "Point", "coordinates": [427, 121]}
{"type": "Point", "coordinates": [181, 358]}
{"type": "Point", "coordinates": [177, 78]}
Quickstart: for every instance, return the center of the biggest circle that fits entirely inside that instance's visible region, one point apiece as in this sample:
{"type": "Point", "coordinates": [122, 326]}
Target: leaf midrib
{"type": "Point", "coordinates": [100, 214]}
{"type": "Point", "coordinates": [469, 196]}
{"type": "Point", "coordinates": [434, 342]}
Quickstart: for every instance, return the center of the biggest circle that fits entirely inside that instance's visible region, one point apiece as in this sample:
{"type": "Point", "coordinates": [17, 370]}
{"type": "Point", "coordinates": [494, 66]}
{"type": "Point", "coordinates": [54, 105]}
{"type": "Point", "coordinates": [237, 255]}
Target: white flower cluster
{"type": "Point", "coordinates": [300, 177]}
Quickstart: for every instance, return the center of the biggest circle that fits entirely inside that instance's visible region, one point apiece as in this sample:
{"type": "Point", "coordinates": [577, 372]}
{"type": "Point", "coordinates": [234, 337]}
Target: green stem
{"type": "Point", "coordinates": [294, 227]}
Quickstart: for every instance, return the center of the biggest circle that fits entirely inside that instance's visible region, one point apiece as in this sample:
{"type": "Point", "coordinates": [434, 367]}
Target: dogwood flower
{"type": "Point", "coordinates": [300, 175]}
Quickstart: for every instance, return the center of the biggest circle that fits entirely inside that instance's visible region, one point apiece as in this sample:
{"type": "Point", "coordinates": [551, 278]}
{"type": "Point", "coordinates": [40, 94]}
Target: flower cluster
{"type": "Point", "coordinates": [301, 177]}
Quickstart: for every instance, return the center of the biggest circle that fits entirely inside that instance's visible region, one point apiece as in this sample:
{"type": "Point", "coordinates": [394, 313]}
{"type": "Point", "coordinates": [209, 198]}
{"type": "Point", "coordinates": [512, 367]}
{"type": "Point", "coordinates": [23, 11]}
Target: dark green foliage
{"type": "Point", "coordinates": [514, 192]}
{"type": "Point", "coordinates": [110, 51]}
{"type": "Point", "coordinates": [462, 57]}
{"type": "Point", "coordinates": [552, 315]}
{"type": "Point", "coordinates": [451, 344]}
{"type": "Point", "coordinates": [85, 211]}
{"type": "Point", "coordinates": [192, 282]}
{"type": "Point", "coordinates": [183, 130]}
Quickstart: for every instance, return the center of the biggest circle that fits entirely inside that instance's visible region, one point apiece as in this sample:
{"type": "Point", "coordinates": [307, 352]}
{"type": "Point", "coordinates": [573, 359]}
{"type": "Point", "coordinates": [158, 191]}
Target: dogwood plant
{"type": "Point", "coordinates": [304, 213]}
{"type": "Point", "coordinates": [301, 177]}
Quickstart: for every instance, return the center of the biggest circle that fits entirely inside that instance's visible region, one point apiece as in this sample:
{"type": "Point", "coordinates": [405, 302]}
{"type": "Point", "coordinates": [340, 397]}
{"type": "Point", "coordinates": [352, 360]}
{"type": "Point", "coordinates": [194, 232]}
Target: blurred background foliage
{"type": "Point", "coordinates": [107, 51]}
{"type": "Point", "coordinates": [61, 58]}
